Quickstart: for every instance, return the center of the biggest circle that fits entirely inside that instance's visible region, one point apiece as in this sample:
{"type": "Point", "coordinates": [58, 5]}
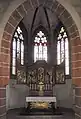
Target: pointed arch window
{"type": "Point", "coordinates": [63, 49]}
{"type": "Point", "coordinates": [40, 47]}
{"type": "Point", "coordinates": [17, 50]}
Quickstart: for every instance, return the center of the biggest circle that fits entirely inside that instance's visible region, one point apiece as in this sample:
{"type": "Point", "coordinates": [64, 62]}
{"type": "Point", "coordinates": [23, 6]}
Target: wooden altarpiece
{"type": "Point", "coordinates": [41, 78]}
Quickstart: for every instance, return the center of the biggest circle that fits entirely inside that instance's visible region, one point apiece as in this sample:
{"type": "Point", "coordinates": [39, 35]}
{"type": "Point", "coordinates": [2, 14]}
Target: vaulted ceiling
{"type": "Point", "coordinates": [40, 16]}
{"type": "Point", "coordinates": [34, 17]}
{"type": "Point", "coordinates": [4, 4]}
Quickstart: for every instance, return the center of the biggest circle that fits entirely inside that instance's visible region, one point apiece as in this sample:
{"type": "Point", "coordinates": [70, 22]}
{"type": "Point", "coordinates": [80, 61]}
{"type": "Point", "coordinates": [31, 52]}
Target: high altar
{"type": "Point", "coordinates": [40, 78]}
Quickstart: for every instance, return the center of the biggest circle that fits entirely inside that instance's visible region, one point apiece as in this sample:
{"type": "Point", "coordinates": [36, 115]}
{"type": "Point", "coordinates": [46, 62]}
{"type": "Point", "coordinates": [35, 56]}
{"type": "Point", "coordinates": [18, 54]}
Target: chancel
{"type": "Point", "coordinates": [41, 87]}
{"type": "Point", "coordinates": [40, 58]}
{"type": "Point", "coordinates": [34, 65]}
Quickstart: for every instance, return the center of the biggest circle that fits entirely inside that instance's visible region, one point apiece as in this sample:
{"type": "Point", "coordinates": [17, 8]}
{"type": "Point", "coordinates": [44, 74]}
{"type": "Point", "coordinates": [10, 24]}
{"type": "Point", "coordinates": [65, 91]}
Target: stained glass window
{"type": "Point", "coordinates": [17, 50]}
{"type": "Point", "coordinates": [63, 49]}
{"type": "Point", "coordinates": [40, 47]}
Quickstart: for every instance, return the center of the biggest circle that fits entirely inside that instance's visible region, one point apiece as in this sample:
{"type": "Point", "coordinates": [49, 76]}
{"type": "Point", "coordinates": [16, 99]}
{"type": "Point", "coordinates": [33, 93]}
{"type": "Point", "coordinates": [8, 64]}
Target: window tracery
{"type": "Point", "coordinates": [17, 58]}
{"type": "Point", "coordinates": [40, 47]}
{"type": "Point", "coordinates": [63, 49]}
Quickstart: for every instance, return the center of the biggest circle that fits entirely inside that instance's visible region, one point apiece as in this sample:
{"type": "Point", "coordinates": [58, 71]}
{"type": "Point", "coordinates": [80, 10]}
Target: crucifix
{"type": "Point", "coordinates": [41, 85]}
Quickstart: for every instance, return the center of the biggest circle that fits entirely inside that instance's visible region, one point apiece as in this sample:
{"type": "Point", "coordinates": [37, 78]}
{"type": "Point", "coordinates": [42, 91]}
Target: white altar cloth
{"type": "Point", "coordinates": [41, 99]}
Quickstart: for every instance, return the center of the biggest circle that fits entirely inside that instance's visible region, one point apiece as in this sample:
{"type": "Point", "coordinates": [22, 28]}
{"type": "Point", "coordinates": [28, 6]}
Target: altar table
{"type": "Point", "coordinates": [42, 99]}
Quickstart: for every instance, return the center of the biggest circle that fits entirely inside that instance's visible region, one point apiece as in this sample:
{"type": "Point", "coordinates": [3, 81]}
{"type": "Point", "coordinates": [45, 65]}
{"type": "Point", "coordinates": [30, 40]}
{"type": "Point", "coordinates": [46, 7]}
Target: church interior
{"type": "Point", "coordinates": [40, 58]}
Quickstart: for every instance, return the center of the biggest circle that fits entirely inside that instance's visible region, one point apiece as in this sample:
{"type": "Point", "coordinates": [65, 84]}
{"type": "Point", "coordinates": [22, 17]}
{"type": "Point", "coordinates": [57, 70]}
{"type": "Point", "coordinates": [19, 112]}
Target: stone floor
{"type": "Point", "coordinates": [14, 114]}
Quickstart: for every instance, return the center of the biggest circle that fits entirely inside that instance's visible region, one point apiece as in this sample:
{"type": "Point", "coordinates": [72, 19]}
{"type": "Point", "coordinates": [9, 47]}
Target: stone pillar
{"type": "Point", "coordinates": [78, 102]}
{"type": "Point", "coordinates": [30, 49]}
{"type": "Point", "coordinates": [76, 74]}
{"type": "Point", "coordinates": [52, 47]}
{"type": "Point", "coordinates": [2, 102]}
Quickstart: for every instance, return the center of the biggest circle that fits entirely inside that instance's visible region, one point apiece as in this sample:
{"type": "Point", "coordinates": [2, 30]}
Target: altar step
{"type": "Point", "coordinates": [14, 114]}
{"type": "Point", "coordinates": [42, 117]}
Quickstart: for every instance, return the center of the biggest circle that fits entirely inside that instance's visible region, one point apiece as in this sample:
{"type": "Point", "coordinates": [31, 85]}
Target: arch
{"type": "Point", "coordinates": [18, 48]}
{"type": "Point", "coordinates": [18, 15]}
{"type": "Point", "coordinates": [73, 32]}
{"type": "Point", "coordinates": [40, 45]}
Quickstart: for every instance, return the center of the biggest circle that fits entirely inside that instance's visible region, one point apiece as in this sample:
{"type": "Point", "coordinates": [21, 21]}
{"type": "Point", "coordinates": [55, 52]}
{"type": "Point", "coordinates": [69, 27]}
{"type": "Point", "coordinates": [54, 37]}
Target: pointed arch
{"type": "Point", "coordinates": [40, 43]}
{"type": "Point", "coordinates": [63, 47]}
{"type": "Point", "coordinates": [18, 53]}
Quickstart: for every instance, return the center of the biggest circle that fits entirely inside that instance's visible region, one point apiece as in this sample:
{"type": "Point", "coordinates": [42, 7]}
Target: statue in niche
{"type": "Point", "coordinates": [32, 77]}
{"type": "Point", "coordinates": [60, 77]}
{"type": "Point", "coordinates": [41, 80]}
{"type": "Point", "coordinates": [29, 77]}
{"type": "Point", "coordinates": [51, 77]}
{"type": "Point", "coordinates": [41, 74]}
{"type": "Point", "coordinates": [21, 76]}
{"type": "Point", "coordinates": [48, 77]}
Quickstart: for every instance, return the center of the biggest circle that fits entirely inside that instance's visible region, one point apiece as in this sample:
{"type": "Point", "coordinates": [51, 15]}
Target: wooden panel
{"type": "Point", "coordinates": [41, 78]}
